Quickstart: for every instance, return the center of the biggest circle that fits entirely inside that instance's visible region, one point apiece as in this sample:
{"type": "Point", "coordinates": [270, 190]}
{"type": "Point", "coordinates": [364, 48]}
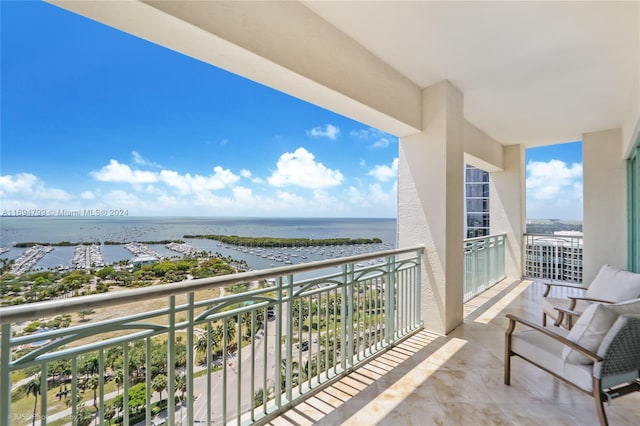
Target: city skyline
{"type": "Point", "coordinates": [94, 118]}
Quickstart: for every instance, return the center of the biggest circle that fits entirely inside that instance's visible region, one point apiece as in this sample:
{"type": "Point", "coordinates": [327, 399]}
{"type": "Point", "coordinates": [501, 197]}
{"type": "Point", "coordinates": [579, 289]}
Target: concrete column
{"type": "Point", "coordinates": [604, 202]}
{"type": "Point", "coordinates": [431, 196]}
{"type": "Point", "coordinates": [507, 207]}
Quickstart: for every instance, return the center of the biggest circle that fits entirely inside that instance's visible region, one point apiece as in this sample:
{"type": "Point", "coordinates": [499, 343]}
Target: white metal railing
{"type": "Point", "coordinates": [553, 257]}
{"type": "Point", "coordinates": [240, 358]}
{"type": "Point", "coordinates": [483, 263]}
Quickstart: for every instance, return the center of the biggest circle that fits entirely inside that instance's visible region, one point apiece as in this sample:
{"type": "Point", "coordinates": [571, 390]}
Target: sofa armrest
{"type": "Point", "coordinates": [549, 286]}
{"type": "Point", "coordinates": [569, 313]}
{"type": "Point", "coordinates": [513, 320]}
{"type": "Point", "coordinates": [587, 299]}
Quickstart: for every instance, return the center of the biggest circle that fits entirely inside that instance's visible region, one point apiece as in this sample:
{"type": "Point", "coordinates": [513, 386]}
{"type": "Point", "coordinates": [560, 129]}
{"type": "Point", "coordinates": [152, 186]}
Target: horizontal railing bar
{"type": "Point", "coordinates": [50, 308]}
{"type": "Point", "coordinates": [470, 240]}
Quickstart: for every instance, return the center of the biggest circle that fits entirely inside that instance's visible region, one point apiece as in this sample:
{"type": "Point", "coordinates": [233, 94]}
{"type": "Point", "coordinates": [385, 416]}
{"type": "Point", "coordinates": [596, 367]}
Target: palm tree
{"type": "Point", "coordinates": [231, 329]}
{"type": "Point", "coordinates": [159, 384]}
{"type": "Point", "coordinates": [181, 384]}
{"type": "Point", "coordinates": [91, 365]}
{"type": "Point", "coordinates": [33, 388]}
{"type": "Point", "coordinates": [201, 344]}
{"type": "Point", "coordinates": [93, 384]}
{"type": "Point", "coordinates": [118, 377]}
{"type": "Point", "coordinates": [109, 412]}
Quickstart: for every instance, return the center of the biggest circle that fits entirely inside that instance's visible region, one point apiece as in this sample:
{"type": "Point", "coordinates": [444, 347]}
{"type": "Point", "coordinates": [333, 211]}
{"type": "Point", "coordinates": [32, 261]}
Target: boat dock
{"type": "Point", "coordinates": [184, 248]}
{"type": "Point", "coordinates": [25, 262]}
{"type": "Point", "coordinates": [86, 257]}
{"type": "Point", "coordinates": [141, 250]}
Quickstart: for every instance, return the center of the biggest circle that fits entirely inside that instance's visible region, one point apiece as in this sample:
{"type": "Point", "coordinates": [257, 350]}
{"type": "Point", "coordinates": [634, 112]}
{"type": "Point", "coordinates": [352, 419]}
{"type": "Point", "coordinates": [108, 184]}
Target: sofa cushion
{"type": "Point", "coordinates": [627, 307]}
{"type": "Point", "coordinates": [614, 284]}
{"type": "Point", "coordinates": [546, 352]}
{"type": "Point", "coordinates": [589, 331]}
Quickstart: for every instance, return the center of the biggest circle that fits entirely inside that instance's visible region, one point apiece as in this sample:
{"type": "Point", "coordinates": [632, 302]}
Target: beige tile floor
{"type": "Point", "coordinates": [458, 379]}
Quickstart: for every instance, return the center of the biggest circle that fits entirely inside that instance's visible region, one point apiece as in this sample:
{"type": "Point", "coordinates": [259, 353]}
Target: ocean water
{"type": "Point", "coordinates": [124, 229]}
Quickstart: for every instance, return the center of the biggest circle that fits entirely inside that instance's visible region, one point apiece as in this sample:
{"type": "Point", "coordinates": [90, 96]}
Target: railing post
{"type": "Point", "coordinates": [389, 301]}
{"type": "Point", "coordinates": [5, 376]}
{"type": "Point", "coordinates": [101, 385]}
{"type": "Point", "coordinates": [350, 316]}
{"type": "Point", "coordinates": [418, 290]}
{"type": "Point", "coordinates": [147, 378]}
{"type": "Point", "coordinates": [190, 358]}
{"type": "Point", "coordinates": [289, 338]}
{"type": "Point", "coordinates": [43, 392]}
{"type": "Point", "coordinates": [278, 353]}
{"type": "Point", "coordinates": [343, 320]}
{"type": "Point", "coordinates": [209, 361]}
{"type": "Point", "coordinates": [171, 363]}
{"type": "Point", "coordinates": [125, 387]}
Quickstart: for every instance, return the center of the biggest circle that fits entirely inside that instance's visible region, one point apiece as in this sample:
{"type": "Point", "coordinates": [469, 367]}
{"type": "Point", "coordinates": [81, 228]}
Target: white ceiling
{"type": "Point", "coordinates": [531, 72]}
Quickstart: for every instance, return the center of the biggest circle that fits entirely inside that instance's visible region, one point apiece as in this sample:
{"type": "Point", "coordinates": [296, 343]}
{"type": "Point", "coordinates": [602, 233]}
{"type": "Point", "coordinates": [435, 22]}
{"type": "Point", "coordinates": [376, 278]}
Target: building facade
{"type": "Point", "coordinates": [476, 184]}
{"type": "Point", "coordinates": [555, 257]}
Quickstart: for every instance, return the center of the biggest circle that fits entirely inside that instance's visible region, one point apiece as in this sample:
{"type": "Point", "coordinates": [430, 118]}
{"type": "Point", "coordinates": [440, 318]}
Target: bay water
{"type": "Point", "coordinates": [127, 229]}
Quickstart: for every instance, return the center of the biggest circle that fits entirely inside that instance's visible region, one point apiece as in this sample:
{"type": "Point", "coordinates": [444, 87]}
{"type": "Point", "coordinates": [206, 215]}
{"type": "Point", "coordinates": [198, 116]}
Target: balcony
{"type": "Point", "coordinates": [351, 351]}
{"type": "Point", "coordinates": [430, 379]}
{"type": "Point", "coordinates": [237, 348]}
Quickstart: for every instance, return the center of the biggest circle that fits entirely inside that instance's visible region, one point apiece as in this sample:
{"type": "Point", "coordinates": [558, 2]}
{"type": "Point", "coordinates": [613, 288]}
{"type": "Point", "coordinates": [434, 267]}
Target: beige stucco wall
{"type": "Point", "coordinates": [430, 204]}
{"type": "Point", "coordinates": [507, 207]}
{"type": "Point", "coordinates": [481, 150]}
{"type": "Point", "coordinates": [631, 126]}
{"type": "Point", "coordinates": [605, 202]}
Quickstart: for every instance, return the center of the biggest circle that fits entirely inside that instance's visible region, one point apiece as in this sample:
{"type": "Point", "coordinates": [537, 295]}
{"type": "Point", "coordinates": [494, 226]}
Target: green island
{"type": "Point", "coordinates": [284, 242]}
{"type": "Point", "coordinates": [90, 243]}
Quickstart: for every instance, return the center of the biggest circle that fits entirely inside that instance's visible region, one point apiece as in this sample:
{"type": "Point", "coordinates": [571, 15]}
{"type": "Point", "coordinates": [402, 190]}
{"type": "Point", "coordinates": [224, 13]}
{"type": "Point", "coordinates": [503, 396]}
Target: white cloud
{"type": "Point", "coordinates": [328, 131]}
{"type": "Point", "coordinates": [28, 187]}
{"type": "Point", "coordinates": [119, 199]}
{"type": "Point", "coordinates": [372, 201]}
{"type": "Point", "coordinates": [116, 172]}
{"type": "Point", "coordinates": [245, 173]}
{"type": "Point", "coordinates": [197, 183]}
{"type": "Point", "coordinates": [19, 183]}
{"type": "Point", "coordinates": [300, 169]}
{"type": "Point", "coordinates": [385, 173]}
{"type": "Point", "coordinates": [137, 159]}
{"type": "Point", "coordinates": [554, 190]}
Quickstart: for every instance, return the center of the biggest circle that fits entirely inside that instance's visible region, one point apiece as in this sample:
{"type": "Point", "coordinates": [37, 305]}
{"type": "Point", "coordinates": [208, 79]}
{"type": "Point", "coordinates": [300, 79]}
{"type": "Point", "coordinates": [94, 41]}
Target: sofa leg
{"type": "Point", "coordinates": [507, 352]}
{"type": "Point", "coordinates": [544, 320]}
{"type": "Point", "coordinates": [598, 396]}
{"type": "Point", "coordinates": [507, 369]}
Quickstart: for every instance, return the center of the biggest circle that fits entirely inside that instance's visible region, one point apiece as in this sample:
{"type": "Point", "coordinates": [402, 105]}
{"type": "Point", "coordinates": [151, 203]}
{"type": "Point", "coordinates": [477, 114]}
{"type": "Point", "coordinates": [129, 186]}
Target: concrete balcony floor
{"type": "Point", "coordinates": [458, 380]}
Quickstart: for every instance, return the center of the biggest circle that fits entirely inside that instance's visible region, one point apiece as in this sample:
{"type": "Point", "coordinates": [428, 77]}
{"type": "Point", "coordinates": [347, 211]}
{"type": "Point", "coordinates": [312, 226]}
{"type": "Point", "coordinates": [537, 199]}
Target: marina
{"type": "Point", "coordinates": [184, 248]}
{"type": "Point", "coordinates": [31, 255]}
{"type": "Point", "coordinates": [121, 231]}
{"type": "Point", "coordinates": [142, 250]}
{"type": "Point", "coordinates": [87, 257]}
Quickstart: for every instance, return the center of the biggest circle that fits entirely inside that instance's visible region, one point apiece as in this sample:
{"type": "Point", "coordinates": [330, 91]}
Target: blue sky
{"type": "Point", "coordinates": [93, 118]}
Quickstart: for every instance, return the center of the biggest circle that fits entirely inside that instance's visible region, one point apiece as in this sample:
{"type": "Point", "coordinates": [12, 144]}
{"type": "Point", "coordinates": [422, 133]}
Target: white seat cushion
{"type": "Point", "coordinates": [589, 331]}
{"type": "Point", "coordinates": [546, 352]}
{"type": "Point", "coordinates": [614, 284]}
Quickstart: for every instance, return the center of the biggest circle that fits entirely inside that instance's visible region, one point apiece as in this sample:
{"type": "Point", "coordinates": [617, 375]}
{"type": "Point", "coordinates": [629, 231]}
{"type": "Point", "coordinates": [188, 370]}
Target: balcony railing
{"type": "Point", "coordinates": [238, 358]}
{"type": "Point", "coordinates": [483, 264]}
{"type": "Point", "coordinates": [553, 257]}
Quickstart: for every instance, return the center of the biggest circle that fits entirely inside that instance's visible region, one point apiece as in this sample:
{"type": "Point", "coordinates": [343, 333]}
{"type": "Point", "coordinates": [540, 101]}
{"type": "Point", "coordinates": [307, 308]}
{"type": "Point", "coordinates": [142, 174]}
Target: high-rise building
{"type": "Point", "coordinates": [476, 182]}
{"type": "Point", "coordinates": [556, 257]}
